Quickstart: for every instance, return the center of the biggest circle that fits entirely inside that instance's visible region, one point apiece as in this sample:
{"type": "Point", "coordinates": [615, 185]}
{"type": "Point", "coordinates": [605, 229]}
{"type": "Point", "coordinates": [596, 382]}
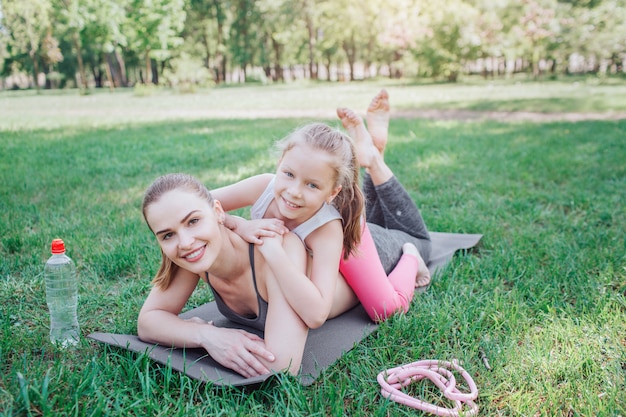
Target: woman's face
{"type": "Point", "coordinates": [187, 229]}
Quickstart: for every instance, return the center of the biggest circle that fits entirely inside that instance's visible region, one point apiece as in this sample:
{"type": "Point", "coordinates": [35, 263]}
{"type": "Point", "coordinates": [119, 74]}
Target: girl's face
{"type": "Point", "coordinates": [187, 229]}
{"type": "Point", "coordinates": [304, 182]}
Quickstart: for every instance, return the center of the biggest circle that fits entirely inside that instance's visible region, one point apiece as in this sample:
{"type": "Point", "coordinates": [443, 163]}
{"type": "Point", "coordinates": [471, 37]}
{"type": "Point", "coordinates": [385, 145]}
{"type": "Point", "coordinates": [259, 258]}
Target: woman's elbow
{"type": "Point", "coordinates": [316, 321]}
{"type": "Point", "coordinates": [289, 364]}
{"type": "Point", "coordinates": [143, 329]}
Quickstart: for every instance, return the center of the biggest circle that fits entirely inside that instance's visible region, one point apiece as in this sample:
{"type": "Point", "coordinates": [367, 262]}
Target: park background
{"type": "Point", "coordinates": [189, 43]}
{"type": "Point", "coordinates": [518, 135]}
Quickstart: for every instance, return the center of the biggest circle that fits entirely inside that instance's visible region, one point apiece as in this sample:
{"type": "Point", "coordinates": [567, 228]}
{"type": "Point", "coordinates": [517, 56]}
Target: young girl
{"type": "Point", "coordinates": [315, 194]}
{"type": "Point", "coordinates": [189, 226]}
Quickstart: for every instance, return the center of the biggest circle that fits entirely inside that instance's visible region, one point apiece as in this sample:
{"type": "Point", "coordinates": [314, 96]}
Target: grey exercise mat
{"type": "Point", "coordinates": [323, 347]}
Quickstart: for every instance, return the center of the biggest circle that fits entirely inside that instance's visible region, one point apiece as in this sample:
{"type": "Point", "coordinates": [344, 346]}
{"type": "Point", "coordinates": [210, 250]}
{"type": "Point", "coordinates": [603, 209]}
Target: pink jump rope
{"type": "Point", "coordinates": [439, 372]}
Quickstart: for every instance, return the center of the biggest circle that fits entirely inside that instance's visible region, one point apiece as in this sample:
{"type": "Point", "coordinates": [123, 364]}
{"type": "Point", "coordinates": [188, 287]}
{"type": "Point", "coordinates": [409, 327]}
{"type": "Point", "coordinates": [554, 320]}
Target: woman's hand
{"type": "Point", "coordinates": [252, 231]}
{"type": "Point", "coordinates": [236, 349]}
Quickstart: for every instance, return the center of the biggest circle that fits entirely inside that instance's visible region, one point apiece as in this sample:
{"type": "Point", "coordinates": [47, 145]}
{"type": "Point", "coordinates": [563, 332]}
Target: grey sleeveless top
{"type": "Point", "coordinates": [324, 215]}
{"type": "Point", "coordinates": [257, 322]}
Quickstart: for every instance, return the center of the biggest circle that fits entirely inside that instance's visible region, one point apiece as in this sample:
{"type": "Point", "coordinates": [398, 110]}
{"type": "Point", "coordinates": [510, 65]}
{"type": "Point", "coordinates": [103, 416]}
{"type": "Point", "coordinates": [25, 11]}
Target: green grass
{"type": "Point", "coordinates": [544, 297]}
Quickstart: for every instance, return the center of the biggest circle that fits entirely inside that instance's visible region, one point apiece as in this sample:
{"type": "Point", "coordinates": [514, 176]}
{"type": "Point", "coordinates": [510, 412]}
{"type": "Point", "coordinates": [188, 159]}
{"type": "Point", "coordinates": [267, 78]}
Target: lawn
{"type": "Point", "coordinates": [543, 299]}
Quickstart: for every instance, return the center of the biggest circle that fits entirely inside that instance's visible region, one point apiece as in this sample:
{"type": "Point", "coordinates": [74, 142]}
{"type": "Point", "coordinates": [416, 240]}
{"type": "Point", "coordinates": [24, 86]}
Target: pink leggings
{"type": "Point", "coordinates": [381, 295]}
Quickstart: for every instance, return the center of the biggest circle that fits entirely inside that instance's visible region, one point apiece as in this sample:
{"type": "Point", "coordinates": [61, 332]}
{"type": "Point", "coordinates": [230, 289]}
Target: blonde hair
{"type": "Point", "coordinates": [155, 191]}
{"type": "Point", "coordinates": [350, 201]}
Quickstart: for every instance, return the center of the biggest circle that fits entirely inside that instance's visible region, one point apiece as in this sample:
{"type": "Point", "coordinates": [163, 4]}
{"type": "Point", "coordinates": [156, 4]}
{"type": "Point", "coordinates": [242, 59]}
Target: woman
{"type": "Point", "coordinates": [189, 226]}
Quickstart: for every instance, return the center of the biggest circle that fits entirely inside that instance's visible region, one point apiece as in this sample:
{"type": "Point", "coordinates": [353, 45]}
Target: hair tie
{"type": "Point", "coordinates": [439, 372]}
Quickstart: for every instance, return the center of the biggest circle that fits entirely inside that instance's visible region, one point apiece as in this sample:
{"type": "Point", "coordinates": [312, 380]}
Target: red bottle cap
{"type": "Point", "coordinates": [58, 246]}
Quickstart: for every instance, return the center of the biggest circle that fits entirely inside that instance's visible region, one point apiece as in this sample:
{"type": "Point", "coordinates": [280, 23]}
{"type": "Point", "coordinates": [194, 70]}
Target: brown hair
{"type": "Point", "coordinates": [350, 201]}
{"type": "Point", "coordinates": [155, 191]}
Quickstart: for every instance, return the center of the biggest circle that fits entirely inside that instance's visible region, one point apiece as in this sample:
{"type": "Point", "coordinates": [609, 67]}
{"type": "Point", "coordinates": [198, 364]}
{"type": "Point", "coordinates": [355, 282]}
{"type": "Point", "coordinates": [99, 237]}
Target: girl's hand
{"type": "Point", "coordinates": [237, 350]}
{"type": "Point", "coordinates": [252, 231]}
{"type": "Point", "coordinates": [271, 245]}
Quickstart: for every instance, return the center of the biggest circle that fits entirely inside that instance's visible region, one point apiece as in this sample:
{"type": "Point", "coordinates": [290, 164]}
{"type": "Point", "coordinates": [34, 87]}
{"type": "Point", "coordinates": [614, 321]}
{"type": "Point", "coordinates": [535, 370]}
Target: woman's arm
{"type": "Point", "coordinates": [243, 193]}
{"type": "Point", "coordinates": [158, 322]}
{"type": "Point", "coordinates": [311, 296]}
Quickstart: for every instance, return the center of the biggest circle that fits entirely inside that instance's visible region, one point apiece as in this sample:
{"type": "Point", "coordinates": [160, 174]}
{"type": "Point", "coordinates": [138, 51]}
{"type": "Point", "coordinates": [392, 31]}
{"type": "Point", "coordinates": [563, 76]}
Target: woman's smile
{"type": "Point", "coordinates": [196, 255]}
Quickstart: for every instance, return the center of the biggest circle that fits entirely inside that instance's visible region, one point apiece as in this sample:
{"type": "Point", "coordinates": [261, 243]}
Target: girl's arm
{"type": "Point", "coordinates": [252, 231]}
{"type": "Point", "coordinates": [285, 331]}
{"type": "Point", "coordinates": [243, 193]}
{"type": "Point", "coordinates": [159, 322]}
{"type": "Point", "coordinates": [311, 296]}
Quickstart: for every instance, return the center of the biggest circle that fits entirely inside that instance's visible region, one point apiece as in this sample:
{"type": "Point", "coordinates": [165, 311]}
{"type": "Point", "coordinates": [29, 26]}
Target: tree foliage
{"type": "Point", "coordinates": [120, 42]}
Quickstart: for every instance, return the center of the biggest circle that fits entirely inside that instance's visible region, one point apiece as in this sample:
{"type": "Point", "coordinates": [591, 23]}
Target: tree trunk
{"type": "Point", "coordinates": [97, 76]}
{"type": "Point", "coordinates": [207, 49]}
{"type": "Point", "coordinates": [219, 55]}
{"type": "Point", "coordinates": [350, 51]}
{"type": "Point", "coordinates": [107, 68]}
{"type": "Point", "coordinates": [311, 42]}
{"type": "Point", "coordinates": [148, 63]}
{"type": "Point", "coordinates": [79, 58]}
{"type": "Point", "coordinates": [33, 56]}
{"type": "Point", "coordinates": [120, 61]}
{"type": "Point", "coordinates": [278, 69]}
{"type": "Point", "coordinates": [114, 70]}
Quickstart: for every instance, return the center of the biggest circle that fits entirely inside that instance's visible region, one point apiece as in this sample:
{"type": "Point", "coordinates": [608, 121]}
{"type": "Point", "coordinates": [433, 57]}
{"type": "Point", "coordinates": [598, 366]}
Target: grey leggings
{"type": "Point", "coordinates": [394, 219]}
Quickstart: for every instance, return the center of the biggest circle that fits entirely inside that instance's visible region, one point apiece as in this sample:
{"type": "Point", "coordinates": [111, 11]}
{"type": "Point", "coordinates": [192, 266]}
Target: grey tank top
{"type": "Point", "coordinates": [257, 322]}
{"type": "Point", "coordinates": [324, 215]}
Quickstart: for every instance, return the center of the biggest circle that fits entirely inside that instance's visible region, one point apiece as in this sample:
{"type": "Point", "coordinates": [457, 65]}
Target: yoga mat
{"type": "Point", "coordinates": [323, 346]}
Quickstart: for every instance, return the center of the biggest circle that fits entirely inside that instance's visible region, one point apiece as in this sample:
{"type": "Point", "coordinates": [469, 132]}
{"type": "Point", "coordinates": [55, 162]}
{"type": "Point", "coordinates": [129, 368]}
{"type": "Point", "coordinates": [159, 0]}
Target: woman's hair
{"type": "Point", "coordinates": [155, 191]}
{"type": "Point", "coordinates": [350, 201]}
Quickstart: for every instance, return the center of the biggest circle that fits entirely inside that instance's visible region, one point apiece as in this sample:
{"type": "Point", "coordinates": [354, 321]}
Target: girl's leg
{"type": "Point", "coordinates": [387, 202]}
{"type": "Point", "coordinates": [393, 208]}
{"type": "Point", "coordinates": [391, 244]}
{"type": "Point", "coordinates": [381, 296]}
{"type": "Point", "coordinates": [373, 211]}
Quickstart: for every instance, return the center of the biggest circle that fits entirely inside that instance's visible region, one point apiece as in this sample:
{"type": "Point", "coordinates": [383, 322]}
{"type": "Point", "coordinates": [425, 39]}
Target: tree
{"type": "Point", "coordinates": [243, 33]}
{"type": "Point", "coordinates": [601, 34]}
{"type": "Point", "coordinates": [4, 40]}
{"type": "Point", "coordinates": [103, 36]}
{"type": "Point", "coordinates": [27, 22]}
{"type": "Point", "coordinates": [51, 55]}
{"type": "Point", "coordinates": [206, 31]}
{"type": "Point", "coordinates": [73, 17]}
{"type": "Point", "coordinates": [283, 23]}
{"type": "Point", "coordinates": [344, 24]}
{"type": "Point", "coordinates": [400, 27]}
{"type": "Point", "coordinates": [535, 28]}
{"type": "Point", "coordinates": [153, 28]}
{"type": "Point", "coordinates": [452, 38]}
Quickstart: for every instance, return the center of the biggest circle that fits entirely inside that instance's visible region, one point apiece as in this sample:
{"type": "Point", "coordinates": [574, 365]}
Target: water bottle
{"type": "Point", "coordinates": [62, 296]}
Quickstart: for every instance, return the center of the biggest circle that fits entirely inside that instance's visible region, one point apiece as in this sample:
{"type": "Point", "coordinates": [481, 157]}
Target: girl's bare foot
{"type": "Point", "coordinates": [378, 119]}
{"type": "Point", "coordinates": [365, 150]}
{"type": "Point", "coordinates": [422, 278]}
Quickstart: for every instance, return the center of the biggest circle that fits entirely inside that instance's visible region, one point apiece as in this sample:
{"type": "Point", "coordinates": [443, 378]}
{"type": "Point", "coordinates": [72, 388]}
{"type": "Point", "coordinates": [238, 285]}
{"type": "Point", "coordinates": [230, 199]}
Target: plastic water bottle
{"type": "Point", "coordinates": [62, 296]}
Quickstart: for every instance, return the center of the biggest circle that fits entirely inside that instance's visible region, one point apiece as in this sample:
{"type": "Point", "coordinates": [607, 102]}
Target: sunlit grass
{"type": "Point", "coordinates": [56, 109]}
